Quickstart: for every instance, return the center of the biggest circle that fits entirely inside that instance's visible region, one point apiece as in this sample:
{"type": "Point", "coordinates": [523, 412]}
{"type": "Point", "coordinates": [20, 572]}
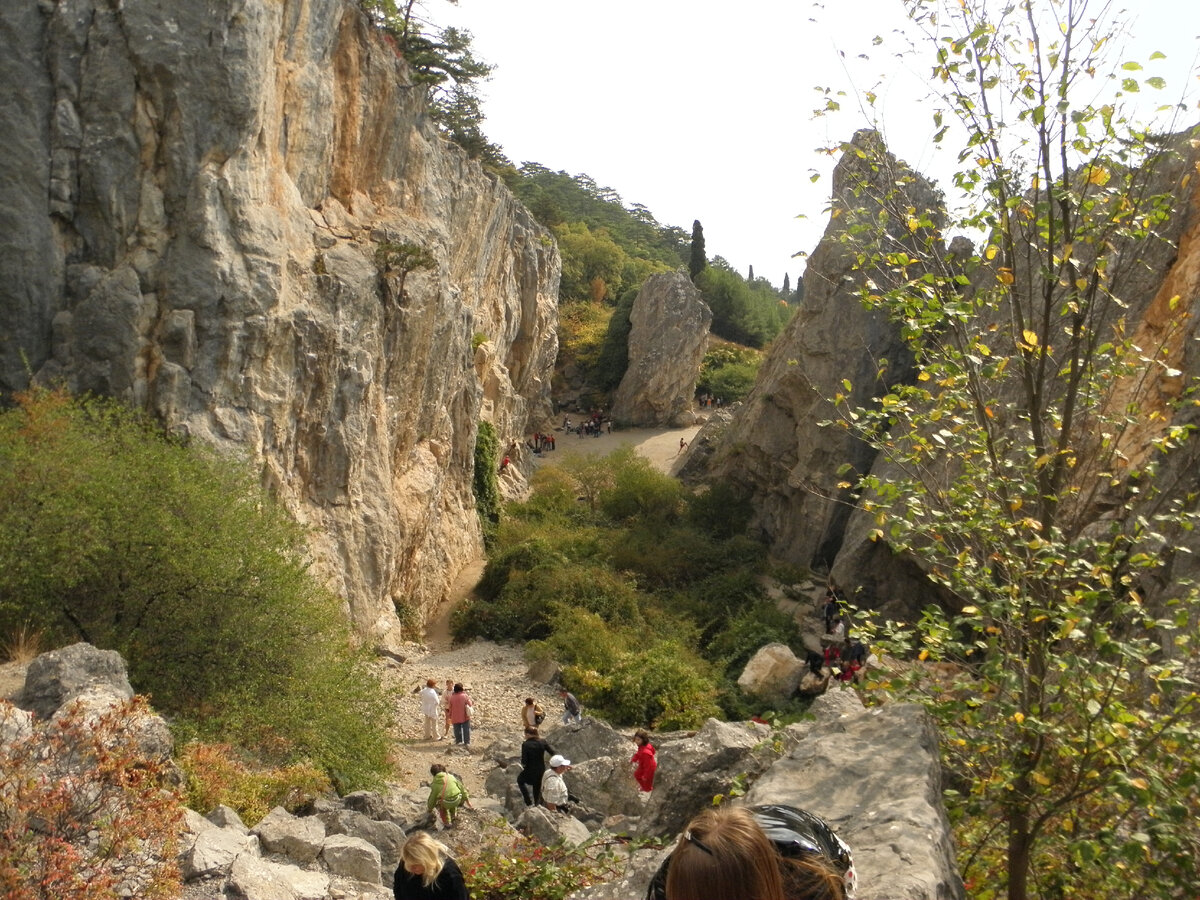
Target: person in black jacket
{"type": "Point", "coordinates": [427, 872]}
{"type": "Point", "coordinates": [533, 766]}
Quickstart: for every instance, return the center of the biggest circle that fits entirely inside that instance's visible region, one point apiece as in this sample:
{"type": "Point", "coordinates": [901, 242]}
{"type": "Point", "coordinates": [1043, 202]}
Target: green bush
{"type": "Point", "coordinates": [719, 511]}
{"type": "Point", "coordinates": [639, 491]}
{"type": "Point", "coordinates": [665, 687]}
{"type": "Point", "coordinates": [113, 533]}
{"type": "Point", "coordinates": [486, 480]}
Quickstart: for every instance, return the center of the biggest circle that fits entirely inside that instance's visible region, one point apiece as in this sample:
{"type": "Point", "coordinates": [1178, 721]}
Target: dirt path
{"type": "Point", "coordinates": [659, 445]}
{"type": "Point", "coordinates": [495, 675]}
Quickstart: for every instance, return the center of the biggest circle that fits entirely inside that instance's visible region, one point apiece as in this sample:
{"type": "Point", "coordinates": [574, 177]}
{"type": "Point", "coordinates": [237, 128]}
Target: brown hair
{"type": "Point", "coordinates": [724, 853]}
{"type": "Point", "coordinates": [530, 731]}
{"type": "Point", "coordinates": [436, 769]}
{"type": "Point", "coordinates": [640, 735]}
{"type": "Point", "coordinates": [811, 877]}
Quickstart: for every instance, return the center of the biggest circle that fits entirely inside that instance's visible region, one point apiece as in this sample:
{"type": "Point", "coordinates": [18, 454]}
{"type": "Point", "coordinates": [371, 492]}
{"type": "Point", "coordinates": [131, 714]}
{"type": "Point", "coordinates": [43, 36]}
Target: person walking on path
{"type": "Point", "coordinates": [446, 794]}
{"type": "Point", "coordinates": [446, 695]}
{"type": "Point", "coordinates": [645, 764]}
{"type": "Point", "coordinates": [572, 711]}
{"type": "Point", "coordinates": [554, 788]}
{"type": "Point", "coordinates": [427, 872]}
{"type": "Point", "coordinates": [430, 707]}
{"type": "Point", "coordinates": [533, 766]}
{"type": "Point", "coordinates": [460, 715]}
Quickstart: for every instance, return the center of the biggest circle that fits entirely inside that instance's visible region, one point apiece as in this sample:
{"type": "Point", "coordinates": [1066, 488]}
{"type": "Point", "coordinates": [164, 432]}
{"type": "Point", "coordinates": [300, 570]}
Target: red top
{"type": "Point", "coordinates": [459, 704]}
{"type": "Point", "coordinates": [645, 765]}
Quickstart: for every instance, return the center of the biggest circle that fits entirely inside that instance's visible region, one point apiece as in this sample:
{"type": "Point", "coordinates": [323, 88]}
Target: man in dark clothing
{"type": "Point", "coordinates": [572, 711]}
{"type": "Point", "coordinates": [533, 766]}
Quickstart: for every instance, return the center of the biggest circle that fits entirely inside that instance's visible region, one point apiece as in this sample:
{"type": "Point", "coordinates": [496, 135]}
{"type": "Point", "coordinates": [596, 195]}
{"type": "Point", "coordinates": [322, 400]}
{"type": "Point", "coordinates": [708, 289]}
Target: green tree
{"type": "Point", "coordinates": [113, 533]}
{"type": "Point", "coordinates": [697, 261]}
{"type": "Point", "coordinates": [1026, 467]}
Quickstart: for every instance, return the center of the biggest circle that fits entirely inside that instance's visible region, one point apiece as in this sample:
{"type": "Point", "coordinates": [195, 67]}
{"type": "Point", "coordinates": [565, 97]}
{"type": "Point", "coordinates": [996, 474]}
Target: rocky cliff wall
{"type": "Point", "coordinates": [192, 201]}
{"type": "Point", "coordinates": [668, 335]}
{"type": "Point", "coordinates": [776, 450]}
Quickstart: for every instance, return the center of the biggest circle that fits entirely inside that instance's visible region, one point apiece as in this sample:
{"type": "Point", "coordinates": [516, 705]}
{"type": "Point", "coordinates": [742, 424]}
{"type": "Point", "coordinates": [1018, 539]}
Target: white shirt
{"type": "Point", "coordinates": [429, 702]}
{"type": "Point", "coordinates": [554, 789]}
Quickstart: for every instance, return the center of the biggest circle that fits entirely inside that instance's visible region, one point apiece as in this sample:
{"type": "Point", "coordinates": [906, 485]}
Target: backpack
{"type": "Point", "coordinates": [539, 716]}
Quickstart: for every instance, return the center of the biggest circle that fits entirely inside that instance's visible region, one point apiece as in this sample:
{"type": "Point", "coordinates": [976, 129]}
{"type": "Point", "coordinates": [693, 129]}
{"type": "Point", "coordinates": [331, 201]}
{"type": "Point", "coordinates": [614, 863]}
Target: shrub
{"type": "Point", "coordinates": [665, 687]}
{"type": "Point", "coordinates": [527, 870]}
{"type": "Point", "coordinates": [83, 814]}
{"type": "Point", "coordinates": [485, 481]}
{"type": "Point", "coordinates": [639, 491]}
{"type": "Point", "coordinates": [215, 775]}
{"type": "Point", "coordinates": [719, 511]}
{"type": "Point", "coordinates": [114, 533]}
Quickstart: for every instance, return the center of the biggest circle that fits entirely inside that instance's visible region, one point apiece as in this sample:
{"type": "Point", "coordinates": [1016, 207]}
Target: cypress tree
{"type": "Point", "coordinates": [787, 286]}
{"type": "Point", "coordinates": [698, 260]}
{"type": "Point", "coordinates": [750, 278]}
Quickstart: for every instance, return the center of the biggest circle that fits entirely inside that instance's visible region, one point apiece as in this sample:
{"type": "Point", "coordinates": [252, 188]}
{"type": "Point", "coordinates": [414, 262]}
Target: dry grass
{"type": "Point", "coordinates": [22, 645]}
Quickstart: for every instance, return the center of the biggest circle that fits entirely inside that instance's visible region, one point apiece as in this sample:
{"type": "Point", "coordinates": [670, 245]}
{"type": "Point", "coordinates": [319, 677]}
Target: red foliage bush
{"type": "Point", "coordinates": [83, 814]}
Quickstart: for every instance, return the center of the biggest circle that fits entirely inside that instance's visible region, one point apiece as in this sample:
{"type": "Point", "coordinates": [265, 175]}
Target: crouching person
{"type": "Point", "coordinates": [446, 794]}
{"type": "Point", "coordinates": [427, 872]}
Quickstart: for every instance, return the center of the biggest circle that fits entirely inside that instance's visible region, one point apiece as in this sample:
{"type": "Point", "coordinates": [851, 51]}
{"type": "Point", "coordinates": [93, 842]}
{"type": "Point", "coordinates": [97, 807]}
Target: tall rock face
{"type": "Point", "coordinates": [777, 451]}
{"type": "Point", "coordinates": [194, 201]}
{"type": "Point", "coordinates": [668, 335]}
{"type": "Point", "coordinates": [774, 450]}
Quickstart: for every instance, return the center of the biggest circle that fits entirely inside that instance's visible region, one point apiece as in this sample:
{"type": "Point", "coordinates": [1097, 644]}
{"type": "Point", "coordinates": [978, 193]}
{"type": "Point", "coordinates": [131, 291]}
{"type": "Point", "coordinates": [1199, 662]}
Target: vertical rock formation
{"type": "Point", "coordinates": [774, 449]}
{"type": "Point", "coordinates": [193, 201]}
{"type": "Point", "coordinates": [667, 339]}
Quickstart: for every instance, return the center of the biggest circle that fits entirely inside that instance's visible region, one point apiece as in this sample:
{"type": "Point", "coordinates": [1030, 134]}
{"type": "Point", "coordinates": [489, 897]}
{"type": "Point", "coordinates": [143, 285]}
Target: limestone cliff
{"type": "Point", "coordinates": [667, 338]}
{"type": "Point", "coordinates": [777, 451]}
{"type": "Point", "coordinates": [193, 199]}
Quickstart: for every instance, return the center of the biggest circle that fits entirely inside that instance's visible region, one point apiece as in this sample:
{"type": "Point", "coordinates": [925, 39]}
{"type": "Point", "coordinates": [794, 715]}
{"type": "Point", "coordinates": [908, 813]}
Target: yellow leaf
{"type": "Point", "coordinates": [913, 224]}
{"type": "Point", "coordinates": [1004, 275]}
{"type": "Point", "coordinates": [1140, 783]}
{"type": "Point", "coordinates": [1018, 717]}
{"type": "Point", "coordinates": [1098, 175]}
{"type": "Point", "coordinates": [1030, 337]}
{"type": "Point", "coordinates": [1041, 779]}
{"type": "Point", "coordinates": [991, 251]}
{"type": "Point", "coordinates": [923, 655]}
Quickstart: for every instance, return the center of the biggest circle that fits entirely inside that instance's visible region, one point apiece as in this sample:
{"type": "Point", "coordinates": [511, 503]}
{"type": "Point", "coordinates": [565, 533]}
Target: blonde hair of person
{"type": "Point", "coordinates": [724, 853]}
{"type": "Point", "coordinates": [422, 850]}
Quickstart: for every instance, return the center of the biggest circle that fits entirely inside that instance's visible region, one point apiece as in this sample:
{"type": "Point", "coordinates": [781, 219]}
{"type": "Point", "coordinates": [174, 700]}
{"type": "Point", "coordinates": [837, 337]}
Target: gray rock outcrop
{"type": "Point", "coordinates": [667, 338]}
{"type": "Point", "coordinates": [874, 775]}
{"type": "Point", "coordinates": [206, 235]}
{"type": "Point", "coordinates": [59, 676]}
{"type": "Point", "coordinates": [774, 450]}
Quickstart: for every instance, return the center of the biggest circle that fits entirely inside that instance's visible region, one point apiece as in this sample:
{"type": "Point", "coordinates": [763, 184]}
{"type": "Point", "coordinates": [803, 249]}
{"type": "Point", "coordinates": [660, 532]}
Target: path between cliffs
{"type": "Point", "coordinates": [494, 674]}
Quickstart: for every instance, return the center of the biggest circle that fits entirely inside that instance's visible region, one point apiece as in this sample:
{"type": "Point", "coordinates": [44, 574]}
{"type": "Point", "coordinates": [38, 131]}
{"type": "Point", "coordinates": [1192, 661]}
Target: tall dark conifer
{"type": "Point", "coordinates": [750, 279]}
{"type": "Point", "coordinates": [698, 260]}
{"type": "Point", "coordinates": [787, 286]}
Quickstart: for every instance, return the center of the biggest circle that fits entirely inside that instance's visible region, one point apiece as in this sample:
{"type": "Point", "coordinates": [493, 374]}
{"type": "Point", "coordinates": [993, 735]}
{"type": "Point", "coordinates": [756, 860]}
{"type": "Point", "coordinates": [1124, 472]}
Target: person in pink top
{"type": "Point", "coordinates": [460, 715]}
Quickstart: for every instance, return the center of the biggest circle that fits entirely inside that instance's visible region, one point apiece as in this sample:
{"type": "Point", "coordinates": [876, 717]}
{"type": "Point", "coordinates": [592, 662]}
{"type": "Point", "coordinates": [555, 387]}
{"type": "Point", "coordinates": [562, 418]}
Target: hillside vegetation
{"type": "Point", "coordinates": [647, 595]}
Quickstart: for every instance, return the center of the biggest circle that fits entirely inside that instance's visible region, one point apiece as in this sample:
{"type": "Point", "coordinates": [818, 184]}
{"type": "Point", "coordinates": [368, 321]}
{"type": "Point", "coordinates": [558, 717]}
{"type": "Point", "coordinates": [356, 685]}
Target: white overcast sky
{"type": "Point", "coordinates": [703, 110]}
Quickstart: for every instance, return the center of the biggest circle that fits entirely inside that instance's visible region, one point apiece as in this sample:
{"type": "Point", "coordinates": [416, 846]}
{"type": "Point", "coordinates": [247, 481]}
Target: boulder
{"type": "Point", "coordinates": [773, 673]}
{"type": "Point", "coordinates": [351, 857]}
{"type": "Point", "coordinates": [552, 827]}
{"type": "Point", "coordinates": [251, 878]}
{"type": "Point", "coordinates": [226, 817]}
{"type": "Point", "coordinates": [694, 770]}
{"type": "Point", "coordinates": [299, 839]}
{"type": "Point", "coordinates": [210, 850]}
{"type": "Point", "coordinates": [593, 739]}
{"type": "Point", "coordinates": [668, 336]}
{"type": "Point", "coordinates": [55, 677]}
{"type": "Point", "coordinates": [15, 724]}
{"type": "Point", "coordinates": [386, 837]}
{"type": "Point", "coordinates": [606, 786]}
{"type": "Point", "coordinates": [875, 776]}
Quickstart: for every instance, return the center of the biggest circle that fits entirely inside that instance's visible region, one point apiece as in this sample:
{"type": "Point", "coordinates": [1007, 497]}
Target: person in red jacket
{"type": "Point", "coordinates": [644, 762]}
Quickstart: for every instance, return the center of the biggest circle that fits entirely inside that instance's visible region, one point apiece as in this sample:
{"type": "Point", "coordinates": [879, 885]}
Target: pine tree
{"type": "Point", "coordinates": [698, 260]}
{"type": "Point", "coordinates": [787, 286]}
{"type": "Point", "coordinates": [750, 277]}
